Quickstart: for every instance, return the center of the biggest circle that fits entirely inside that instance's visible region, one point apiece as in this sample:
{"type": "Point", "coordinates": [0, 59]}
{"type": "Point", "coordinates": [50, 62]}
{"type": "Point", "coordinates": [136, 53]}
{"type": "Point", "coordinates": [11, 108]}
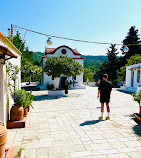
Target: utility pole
{"type": "Point", "coordinates": [11, 33]}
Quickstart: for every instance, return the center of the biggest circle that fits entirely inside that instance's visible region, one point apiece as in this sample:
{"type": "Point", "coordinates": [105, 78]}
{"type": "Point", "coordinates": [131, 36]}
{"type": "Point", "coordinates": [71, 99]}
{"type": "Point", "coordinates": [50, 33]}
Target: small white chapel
{"type": "Point", "coordinates": [65, 51]}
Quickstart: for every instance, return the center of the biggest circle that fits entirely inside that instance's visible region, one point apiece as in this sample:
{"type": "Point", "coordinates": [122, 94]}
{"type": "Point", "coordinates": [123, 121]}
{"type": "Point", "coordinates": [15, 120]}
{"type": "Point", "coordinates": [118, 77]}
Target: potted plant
{"type": "Point", "coordinates": [137, 97]}
{"type": "Point", "coordinates": [3, 139]}
{"type": "Point", "coordinates": [28, 101]}
{"type": "Point", "coordinates": [16, 112]}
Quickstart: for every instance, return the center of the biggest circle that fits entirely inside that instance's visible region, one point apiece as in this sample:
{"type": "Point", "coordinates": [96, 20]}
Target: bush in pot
{"type": "Point", "coordinates": [16, 112]}
{"type": "Point", "coordinates": [137, 97]}
{"type": "Point", "coordinates": [28, 101]}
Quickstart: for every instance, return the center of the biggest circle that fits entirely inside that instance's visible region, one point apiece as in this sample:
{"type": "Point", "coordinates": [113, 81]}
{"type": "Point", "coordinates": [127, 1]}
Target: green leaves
{"type": "Point", "coordinates": [137, 96]}
{"type": "Point", "coordinates": [55, 66]}
{"type": "Point", "coordinates": [88, 74]}
{"type": "Point", "coordinates": [28, 99]}
{"type": "Point", "coordinates": [12, 73]}
{"type": "Point", "coordinates": [131, 61]}
{"type": "Point", "coordinates": [18, 97]}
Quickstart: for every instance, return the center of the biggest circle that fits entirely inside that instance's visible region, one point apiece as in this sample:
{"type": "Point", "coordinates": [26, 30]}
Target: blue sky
{"type": "Point", "coordinates": [93, 20]}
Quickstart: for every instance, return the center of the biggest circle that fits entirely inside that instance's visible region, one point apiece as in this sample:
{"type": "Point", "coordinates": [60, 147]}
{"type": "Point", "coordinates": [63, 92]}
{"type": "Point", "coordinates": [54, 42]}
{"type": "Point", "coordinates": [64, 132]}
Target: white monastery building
{"type": "Point", "coordinates": [133, 78]}
{"type": "Point", "coordinates": [65, 51]}
{"type": "Point", "coordinates": [8, 53]}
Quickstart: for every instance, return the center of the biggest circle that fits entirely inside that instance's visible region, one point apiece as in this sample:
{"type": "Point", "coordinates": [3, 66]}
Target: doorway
{"type": "Point", "coordinates": [63, 82]}
{"type": "Point", "coordinates": [132, 78]}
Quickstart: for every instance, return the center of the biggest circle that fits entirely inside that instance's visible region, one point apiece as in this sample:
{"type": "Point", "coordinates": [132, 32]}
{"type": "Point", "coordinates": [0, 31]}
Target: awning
{"type": "Point", "coordinates": [5, 51]}
{"type": "Point", "coordinates": [134, 68]}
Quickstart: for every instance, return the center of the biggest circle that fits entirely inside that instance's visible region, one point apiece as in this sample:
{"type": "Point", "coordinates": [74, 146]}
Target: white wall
{"type": "Point", "coordinates": [69, 53]}
{"type": "Point", "coordinates": [6, 100]}
{"type": "Point", "coordinates": [1, 94]}
{"type": "Point", "coordinates": [128, 75]}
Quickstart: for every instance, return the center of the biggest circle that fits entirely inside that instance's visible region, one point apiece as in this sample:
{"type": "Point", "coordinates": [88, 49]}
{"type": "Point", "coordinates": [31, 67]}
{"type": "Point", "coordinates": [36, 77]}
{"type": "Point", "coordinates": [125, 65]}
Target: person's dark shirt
{"type": "Point", "coordinates": [105, 88]}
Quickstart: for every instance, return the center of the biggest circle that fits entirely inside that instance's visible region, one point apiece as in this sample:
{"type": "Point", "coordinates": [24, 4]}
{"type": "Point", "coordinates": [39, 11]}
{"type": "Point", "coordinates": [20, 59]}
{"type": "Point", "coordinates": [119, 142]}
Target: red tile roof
{"type": "Point", "coordinates": [53, 50]}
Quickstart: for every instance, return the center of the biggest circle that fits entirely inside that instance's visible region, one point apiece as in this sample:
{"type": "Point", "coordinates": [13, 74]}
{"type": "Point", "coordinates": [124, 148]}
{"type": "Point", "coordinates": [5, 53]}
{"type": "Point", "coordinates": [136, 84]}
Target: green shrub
{"type": "Point", "coordinates": [50, 87]}
{"type": "Point", "coordinates": [18, 97]}
{"type": "Point", "coordinates": [137, 96]}
{"type": "Point", "coordinates": [28, 99]}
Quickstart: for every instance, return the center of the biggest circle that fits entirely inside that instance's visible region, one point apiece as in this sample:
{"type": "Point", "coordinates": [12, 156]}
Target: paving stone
{"type": "Point", "coordinates": [105, 152]}
{"type": "Point", "coordinates": [119, 155]}
{"type": "Point", "coordinates": [28, 153]}
{"type": "Point", "coordinates": [134, 154]}
{"type": "Point", "coordinates": [132, 143]}
{"type": "Point", "coordinates": [126, 150]}
{"type": "Point", "coordinates": [81, 154]}
{"type": "Point", "coordinates": [72, 148]}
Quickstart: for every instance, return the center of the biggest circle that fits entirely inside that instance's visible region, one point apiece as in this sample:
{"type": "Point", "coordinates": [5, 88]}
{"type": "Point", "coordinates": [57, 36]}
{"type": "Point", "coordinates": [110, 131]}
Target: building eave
{"type": "Point", "coordinates": [9, 44]}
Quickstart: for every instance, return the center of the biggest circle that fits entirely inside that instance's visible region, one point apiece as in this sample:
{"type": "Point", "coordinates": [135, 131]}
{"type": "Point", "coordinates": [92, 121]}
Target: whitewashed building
{"type": "Point", "coordinates": [65, 51]}
{"type": "Point", "coordinates": [8, 52]}
{"type": "Point", "coordinates": [133, 78]}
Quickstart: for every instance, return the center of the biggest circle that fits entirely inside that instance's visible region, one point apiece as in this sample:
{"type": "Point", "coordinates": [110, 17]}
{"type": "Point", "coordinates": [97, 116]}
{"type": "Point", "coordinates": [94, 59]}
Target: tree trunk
{"type": "Point", "coordinates": [30, 79]}
{"type": "Point", "coordinates": [139, 107]}
{"type": "Point", "coordinates": [56, 82]}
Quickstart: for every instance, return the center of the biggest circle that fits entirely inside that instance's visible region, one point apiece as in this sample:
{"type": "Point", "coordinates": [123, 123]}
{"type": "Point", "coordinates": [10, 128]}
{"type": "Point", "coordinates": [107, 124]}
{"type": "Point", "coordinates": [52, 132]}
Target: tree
{"type": "Point", "coordinates": [88, 74]}
{"type": "Point", "coordinates": [132, 60]}
{"type": "Point", "coordinates": [103, 69]}
{"type": "Point", "coordinates": [131, 38]}
{"type": "Point", "coordinates": [109, 66]}
{"type": "Point", "coordinates": [29, 70]}
{"type": "Point", "coordinates": [112, 62]}
{"type": "Point", "coordinates": [62, 65]}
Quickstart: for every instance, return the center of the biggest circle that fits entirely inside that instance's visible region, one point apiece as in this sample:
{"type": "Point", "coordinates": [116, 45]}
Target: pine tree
{"type": "Point", "coordinates": [112, 62]}
{"type": "Point", "coordinates": [109, 66]}
{"type": "Point", "coordinates": [131, 38]}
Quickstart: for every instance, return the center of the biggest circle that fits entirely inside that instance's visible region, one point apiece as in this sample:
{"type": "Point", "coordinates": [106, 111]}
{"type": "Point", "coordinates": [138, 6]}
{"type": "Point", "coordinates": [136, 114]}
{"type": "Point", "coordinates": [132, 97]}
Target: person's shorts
{"type": "Point", "coordinates": [104, 100]}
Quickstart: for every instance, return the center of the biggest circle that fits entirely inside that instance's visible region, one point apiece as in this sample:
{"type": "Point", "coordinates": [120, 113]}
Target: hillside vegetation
{"type": "Point", "coordinates": [92, 62]}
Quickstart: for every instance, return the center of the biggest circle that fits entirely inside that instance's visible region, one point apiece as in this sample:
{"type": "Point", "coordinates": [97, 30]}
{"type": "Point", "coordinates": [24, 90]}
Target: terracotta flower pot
{"type": "Point", "coordinates": [28, 108]}
{"type": "Point", "coordinates": [25, 112]}
{"type": "Point", "coordinates": [16, 113]}
{"type": "Point", "coordinates": [3, 140]}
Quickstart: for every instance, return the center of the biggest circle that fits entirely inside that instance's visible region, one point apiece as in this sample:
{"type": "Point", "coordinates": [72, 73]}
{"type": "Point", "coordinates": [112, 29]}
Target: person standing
{"type": "Point", "coordinates": [66, 86]}
{"type": "Point", "coordinates": [104, 90]}
{"type": "Point", "coordinates": [73, 83]}
{"type": "Point", "coordinates": [87, 81]}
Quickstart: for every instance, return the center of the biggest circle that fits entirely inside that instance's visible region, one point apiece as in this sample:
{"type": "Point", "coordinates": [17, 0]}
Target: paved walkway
{"type": "Point", "coordinates": [68, 127]}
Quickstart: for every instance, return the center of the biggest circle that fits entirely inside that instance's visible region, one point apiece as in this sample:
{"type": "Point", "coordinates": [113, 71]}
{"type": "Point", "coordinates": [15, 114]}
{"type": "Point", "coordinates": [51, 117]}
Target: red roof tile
{"type": "Point", "coordinates": [53, 50]}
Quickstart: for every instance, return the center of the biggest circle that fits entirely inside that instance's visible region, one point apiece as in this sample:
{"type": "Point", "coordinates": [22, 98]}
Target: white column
{"type": "Point", "coordinates": [1, 94]}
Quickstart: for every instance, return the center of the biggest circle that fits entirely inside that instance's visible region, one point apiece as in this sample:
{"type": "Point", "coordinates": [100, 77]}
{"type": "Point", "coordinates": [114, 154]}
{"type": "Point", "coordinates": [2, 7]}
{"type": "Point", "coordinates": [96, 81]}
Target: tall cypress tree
{"type": "Point", "coordinates": [112, 62]}
{"type": "Point", "coordinates": [131, 38]}
{"type": "Point", "coordinates": [109, 66]}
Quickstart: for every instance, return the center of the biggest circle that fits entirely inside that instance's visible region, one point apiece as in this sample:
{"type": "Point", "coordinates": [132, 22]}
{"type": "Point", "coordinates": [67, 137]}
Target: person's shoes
{"type": "Point", "coordinates": [107, 118]}
{"type": "Point", "coordinates": [100, 118]}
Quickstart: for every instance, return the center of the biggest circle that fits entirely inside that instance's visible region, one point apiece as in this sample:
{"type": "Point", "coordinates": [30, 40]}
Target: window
{"type": "Point", "coordinates": [63, 51]}
{"type": "Point", "coordinates": [52, 77]}
{"type": "Point", "coordinates": [138, 76]}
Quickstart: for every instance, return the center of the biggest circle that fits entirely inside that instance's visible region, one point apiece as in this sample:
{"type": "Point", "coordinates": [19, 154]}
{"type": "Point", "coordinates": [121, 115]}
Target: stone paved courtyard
{"type": "Point", "coordinates": [68, 127]}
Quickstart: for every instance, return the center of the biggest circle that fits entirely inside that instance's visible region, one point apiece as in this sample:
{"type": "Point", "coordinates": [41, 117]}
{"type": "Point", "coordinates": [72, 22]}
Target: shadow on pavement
{"type": "Point", "coordinates": [126, 92]}
{"type": "Point", "coordinates": [130, 115]}
{"type": "Point", "coordinates": [137, 130]}
{"type": "Point", "coordinates": [46, 97]}
{"type": "Point", "coordinates": [90, 122]}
